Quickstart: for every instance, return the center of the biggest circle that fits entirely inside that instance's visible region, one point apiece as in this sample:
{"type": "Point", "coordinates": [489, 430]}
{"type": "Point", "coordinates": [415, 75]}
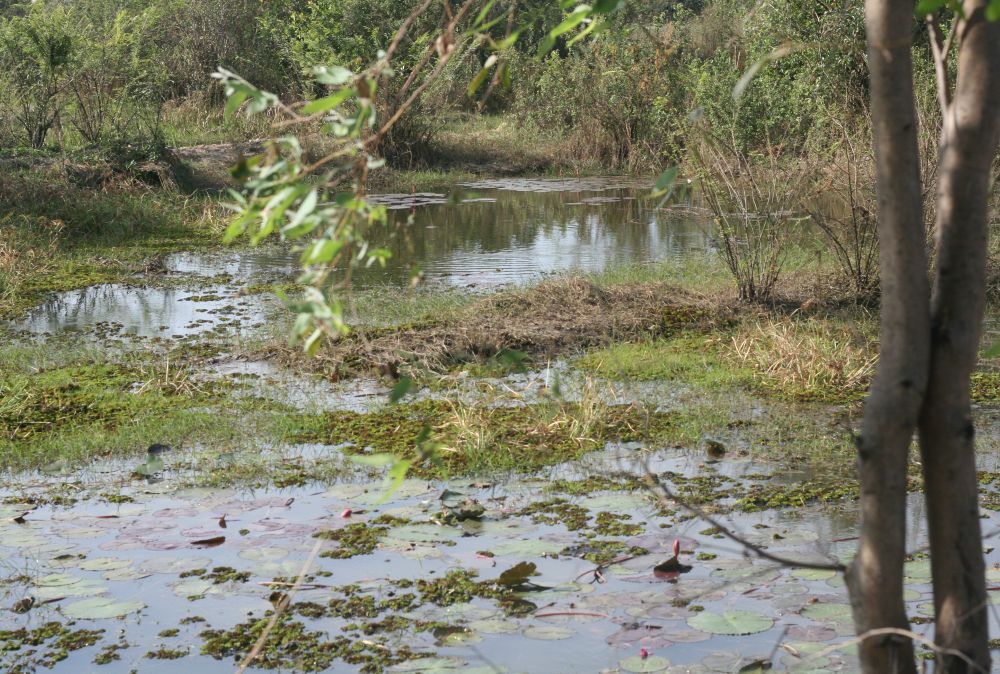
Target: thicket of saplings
{"type": "Point", "coordinates": [127, 78]}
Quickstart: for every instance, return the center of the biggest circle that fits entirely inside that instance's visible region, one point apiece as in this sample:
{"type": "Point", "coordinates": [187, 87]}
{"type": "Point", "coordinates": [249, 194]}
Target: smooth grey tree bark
{"type": "Point", "coordinates": [929, 342]}
{"type": "Point", "coordinates": [875, 578]}
{"type": "Point", "coordinates": [968, 146]}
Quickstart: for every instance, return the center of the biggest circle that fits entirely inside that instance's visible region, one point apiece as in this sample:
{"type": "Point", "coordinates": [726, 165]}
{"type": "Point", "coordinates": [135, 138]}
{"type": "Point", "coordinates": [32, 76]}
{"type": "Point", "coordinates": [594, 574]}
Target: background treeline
{"type": "Point", "coordinates": [82, 73]}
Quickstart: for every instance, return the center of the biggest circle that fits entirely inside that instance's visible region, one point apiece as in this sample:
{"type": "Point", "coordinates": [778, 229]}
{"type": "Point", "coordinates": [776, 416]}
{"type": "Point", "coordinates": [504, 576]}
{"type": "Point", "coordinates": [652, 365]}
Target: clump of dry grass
{"type": "Point", "coordinates": [568, 427]}
{"type": "Point", "coordinates": [554, 318]}
{"type": "Point", "coordinates": [21, 258]}
{"type": "Point", "coordinates": [807, 359]}
{"type": "Point", "coordinates": [176, 379]}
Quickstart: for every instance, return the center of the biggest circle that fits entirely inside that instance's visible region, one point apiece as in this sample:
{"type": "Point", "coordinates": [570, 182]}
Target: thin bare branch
{"type": "Point", "coordinates": [666, 498]}
{"type": "Point", "coordinates": [898, 632]}
{"type": "Point", "coordinates": [279, 610]}
{"type": "Point", "coordinates": [404, 28]}
{"type": "Point", "coordinates": [939, 48]}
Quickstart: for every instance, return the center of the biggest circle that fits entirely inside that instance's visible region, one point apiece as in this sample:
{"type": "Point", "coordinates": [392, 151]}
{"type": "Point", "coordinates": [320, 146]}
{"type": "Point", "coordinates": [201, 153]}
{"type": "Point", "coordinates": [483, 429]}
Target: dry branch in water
{"type": "Point", "coordinates": [666, 498]}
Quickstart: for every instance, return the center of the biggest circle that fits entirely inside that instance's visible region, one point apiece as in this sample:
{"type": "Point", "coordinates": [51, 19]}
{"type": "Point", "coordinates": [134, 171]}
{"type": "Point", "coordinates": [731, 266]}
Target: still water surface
{"type": "Point", "coordinates": [473, 236]}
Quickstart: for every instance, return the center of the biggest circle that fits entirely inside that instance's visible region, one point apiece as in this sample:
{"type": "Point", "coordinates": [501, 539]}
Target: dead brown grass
{"type": "Point", "coordinates": [555, 318]}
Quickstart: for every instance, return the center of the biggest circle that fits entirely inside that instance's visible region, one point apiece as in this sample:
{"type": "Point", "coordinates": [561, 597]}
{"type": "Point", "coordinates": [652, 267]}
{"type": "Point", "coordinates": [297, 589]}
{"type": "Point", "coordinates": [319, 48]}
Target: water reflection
{"type": "Point", "coordinates": [522, 235]}
{"type": "Point", "coordinates": [115, 309]}
{"type": "Point", "coordinates": [480, 235]}
{"type": "Point", "coordinates": [497, 232]}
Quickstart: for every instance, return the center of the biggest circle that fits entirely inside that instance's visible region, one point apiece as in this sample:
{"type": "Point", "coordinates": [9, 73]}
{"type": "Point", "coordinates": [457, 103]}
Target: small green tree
{"type": "Point", "coordinates": [116, 81]}
{"type": "Point", "coordinates": [36, 52]}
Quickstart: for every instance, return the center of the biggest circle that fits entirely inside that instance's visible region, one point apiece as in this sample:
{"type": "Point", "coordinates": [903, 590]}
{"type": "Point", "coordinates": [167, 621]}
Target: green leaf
{"type": "Point", "coordinates": [481, 76]}
{"type": "Point", "coordinates": [152, 466]}
{"type": "Point", "coordinates": [313, 343]}
{"type": "Point", "coordinates": [394, 478]}
{"type": "Point", "coordinates": [482, 28]}
{"type": "Point", "coordinates": [374, 460]}
{"type": "Point", "coordinates": [235, 101]}
{"type": "Point", "coordinates": [327, 103]}
{"type": "Point", "coordinates": [334, 75]}
{"type": "Point", "coordinates": [667, 178]}
{"type": "Point", "coordinates": [322, 251]}
{"type": "Point", "coordinates": [578, 16]}
{"type": "Point", "coordinates": [993, 11]}
{"type": "Point", "coordinates": [926, 7]}
{"type": "Point", "coordinates": [305, 209]}
{"type": "Point", "coordinates": [401, 389]}
{"type": "Point", "coordinates": [594, 28]}
{"type": "Point", "coordinates": [751, 72]}
{"type": "Point", "coordinates": [508, 41]}
{"type": "Point", "coordinates": [261, 101]}
{"type": "Point", "coordinates": [608, 6]}
{"type": "Point", "coordinates": [483, 12]}
{"type": "Point", "coordinates": [237, 228]}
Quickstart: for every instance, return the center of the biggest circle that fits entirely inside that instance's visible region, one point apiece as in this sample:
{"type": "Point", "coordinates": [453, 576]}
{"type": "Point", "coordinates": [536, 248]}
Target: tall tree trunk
{"type": "Point", "coordinates": [969, 139]}
{"type": "Point", "coordinates": [875, 579]}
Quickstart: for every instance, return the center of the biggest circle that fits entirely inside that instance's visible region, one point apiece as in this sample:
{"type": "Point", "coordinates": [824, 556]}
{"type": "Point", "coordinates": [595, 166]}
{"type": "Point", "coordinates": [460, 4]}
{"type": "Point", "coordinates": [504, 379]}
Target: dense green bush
{"type": "Point", "coordinates": [36, 54]}
{"type": "Point", "coordinates": [90, 73]}
{"type": "Point", "coordinates": [620, 99]}
{"type": "Point", "coordinates": [104, 70]}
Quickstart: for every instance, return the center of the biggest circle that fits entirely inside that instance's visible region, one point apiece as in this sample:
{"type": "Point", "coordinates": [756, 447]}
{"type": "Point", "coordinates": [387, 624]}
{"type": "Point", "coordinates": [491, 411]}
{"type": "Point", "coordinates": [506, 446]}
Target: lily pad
{"type": "Point", "coordinates": [430, 665]}
{"type": "Point", "coordinates": [82, 532]}
{"type": "Point", "coordinates": [548, 632]}
{"type": "Point", "coordinates": [57, 580]}
{"type": "Point", "coordinates": [367, 494]}
{"type": "Point", "coordinates": [734, 623]}
{"type": "Point", "coordinates": [494, 626]}
{"type": "Point", "coordinates": [650, 636]}
{"type": "Point", "coordinates": [422, 533]}
{"type": "Point", "coordinates": [617, 502]}
{"type": "Point", "coordinates": [175, 565]}
{"type": "Point", "coordinates": [263, 554]}
{"type": "Point", "coordinates": [105, 564]}
{"type": "Point", "coordinates": [828, 612]}
{"type": "Point", "coordinates": [456, 636]}
{"type": "Point", "coordinates": [419, 551]}
{"type": "Point", "coordinates": [651, 663]}
{"type": "Point", "coordinates": [811, 633]}
{"type": "Point", "coordinates": [101, 608]}
{"type": "Point", "coordinates": [813, 574]}
{"type": "Point", "coordinates": [193, 587]}
{"type": "Point", "coordinates": [527, 547]}
{"type": "Point", "coordinates": [126, 574]}
{"type": "Point", "coordinates": [723, 661]}
{"type": "Point", "coordinates": [498, 528]}
{"type": "Point", "coordinates": [917, 571]}
{"type": "Point", "coordinates": [455, 612]}
{"type": "Point", "coordinates": [83, 588]}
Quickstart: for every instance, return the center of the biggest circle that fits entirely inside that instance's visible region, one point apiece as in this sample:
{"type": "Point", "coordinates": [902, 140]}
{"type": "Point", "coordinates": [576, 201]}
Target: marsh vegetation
{"type": "Point", "coordinates": [408, 418]}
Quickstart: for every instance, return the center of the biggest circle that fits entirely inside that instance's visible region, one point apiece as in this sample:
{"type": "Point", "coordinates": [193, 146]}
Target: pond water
{"type": "Point", "coordinates": [115, 311]}
{"type": "Point", "coordinates": [121, 574]}
{"type": "Point", "coordinates": [165, 566]}
{"type": "Point", "coordinates": [473, 236]}
{"type": "Point", "coordinates": [491, 233]}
